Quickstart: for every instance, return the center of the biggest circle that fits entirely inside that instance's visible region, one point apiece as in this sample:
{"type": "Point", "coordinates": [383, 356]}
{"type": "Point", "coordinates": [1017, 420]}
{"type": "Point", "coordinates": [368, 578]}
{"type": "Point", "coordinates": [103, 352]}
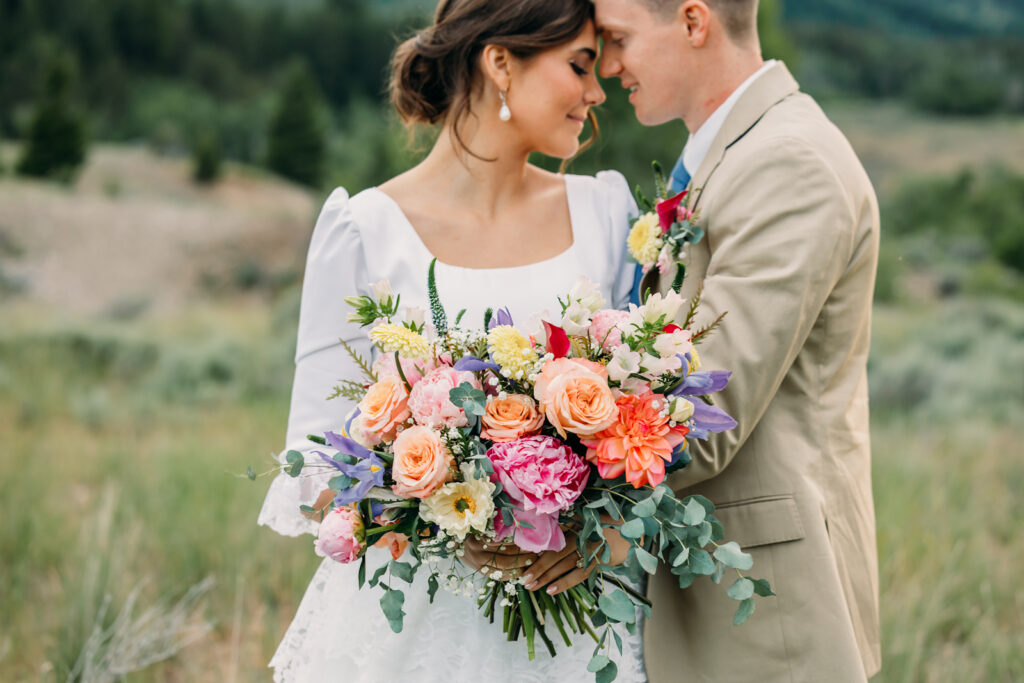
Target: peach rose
{"type": "Point", "coordinates": [384, 407]}
{"type": "Point", "coordinates": [511, 418]}
{"type": "Point", "coordinates": [575, 396]}
{"type": "Point", "coordinates": [422, 463]}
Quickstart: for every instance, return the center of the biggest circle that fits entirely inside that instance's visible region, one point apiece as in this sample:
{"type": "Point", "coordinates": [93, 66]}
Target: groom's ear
{"type": "Point", "coordinates": [694, 18]}
{"type": "Point", "coordinates": [496, 63]}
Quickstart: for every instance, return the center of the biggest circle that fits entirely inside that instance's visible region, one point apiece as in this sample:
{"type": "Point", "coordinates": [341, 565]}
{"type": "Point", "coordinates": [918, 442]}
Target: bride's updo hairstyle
{"type": "Point", "coordinates": [435, 72]}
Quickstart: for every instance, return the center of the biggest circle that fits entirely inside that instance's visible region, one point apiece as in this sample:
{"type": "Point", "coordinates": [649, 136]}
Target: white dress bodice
{"type": "Point", "coordinates": [339, 632]}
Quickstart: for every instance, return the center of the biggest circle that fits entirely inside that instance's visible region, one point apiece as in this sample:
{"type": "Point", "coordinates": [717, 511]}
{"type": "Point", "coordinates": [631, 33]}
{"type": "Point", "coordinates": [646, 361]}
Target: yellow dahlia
{"type": "Point", "coordinates": [390, 338]}
{"type": "Point", "coordinates": [512, 351]}
{"type": "Point", "coordinates": [645, 239]}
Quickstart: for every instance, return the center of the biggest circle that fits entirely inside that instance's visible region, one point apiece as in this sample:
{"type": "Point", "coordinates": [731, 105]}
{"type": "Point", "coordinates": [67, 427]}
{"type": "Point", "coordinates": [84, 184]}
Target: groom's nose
{"type": "Point", "coordinates": [610, 65]}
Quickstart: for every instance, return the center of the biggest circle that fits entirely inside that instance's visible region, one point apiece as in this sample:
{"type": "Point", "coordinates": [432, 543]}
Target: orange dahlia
{"type": "Point", "coordinates": [639, 443]}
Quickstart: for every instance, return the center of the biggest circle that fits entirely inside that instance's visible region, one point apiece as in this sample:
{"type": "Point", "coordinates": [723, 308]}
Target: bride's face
{"type": "Point", "coordinates": [550, 94]}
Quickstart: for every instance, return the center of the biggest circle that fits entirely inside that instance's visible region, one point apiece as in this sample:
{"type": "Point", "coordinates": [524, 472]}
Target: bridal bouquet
{"type": "Point", "coordinates": [518, 434]}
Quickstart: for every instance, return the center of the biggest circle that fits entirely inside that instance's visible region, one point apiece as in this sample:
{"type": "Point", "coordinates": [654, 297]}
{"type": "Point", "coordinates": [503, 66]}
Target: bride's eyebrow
{"type": "Point", "coordinates": [588, 52]}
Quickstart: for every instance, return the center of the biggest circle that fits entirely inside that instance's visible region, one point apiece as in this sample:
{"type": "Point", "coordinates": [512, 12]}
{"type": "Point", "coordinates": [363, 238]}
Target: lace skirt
{"type": "Point", "coordinates": [340, 634]}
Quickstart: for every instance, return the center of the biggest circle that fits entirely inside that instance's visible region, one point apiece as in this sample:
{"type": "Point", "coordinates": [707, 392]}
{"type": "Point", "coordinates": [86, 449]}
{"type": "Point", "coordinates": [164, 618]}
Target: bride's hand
{"type": "Point", "coordinates": [322, 506]}
{"type": "Point", "coordinates": [509, 558]}
{"type": "Point", "coordinates": [562, 568]}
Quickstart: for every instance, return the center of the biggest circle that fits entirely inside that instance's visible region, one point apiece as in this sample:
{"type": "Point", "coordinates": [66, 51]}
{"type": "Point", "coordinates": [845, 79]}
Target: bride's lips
{"type": "Point", "coordinates": [580, 119]}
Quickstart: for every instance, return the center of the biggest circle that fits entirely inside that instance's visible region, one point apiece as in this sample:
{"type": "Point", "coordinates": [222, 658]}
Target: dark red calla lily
{"type": "Point", "coordinates": [667, 211]}
{"type": "Point", "coordinates": [558, 340]}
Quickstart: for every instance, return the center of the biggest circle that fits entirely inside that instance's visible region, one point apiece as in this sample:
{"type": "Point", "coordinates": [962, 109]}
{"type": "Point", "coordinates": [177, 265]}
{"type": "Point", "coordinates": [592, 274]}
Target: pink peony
{"type": "Point", "coordinates": [606, 327]}
{"type": "Point", "coordinates": [539, 473]}
{"type": "Point", "coordinates": [342, 536]}
{"type": "Point", "coordinates": [429, 400]}
{"type": "Point", "coordinates": [414, 370]}
{"type": "Point", "coordinates": [545, 534]}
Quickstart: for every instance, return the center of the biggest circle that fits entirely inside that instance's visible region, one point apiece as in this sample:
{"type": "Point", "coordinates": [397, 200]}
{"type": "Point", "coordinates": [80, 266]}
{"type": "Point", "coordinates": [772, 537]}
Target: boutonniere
{"type": "Point", "coordinates": [659, 236]}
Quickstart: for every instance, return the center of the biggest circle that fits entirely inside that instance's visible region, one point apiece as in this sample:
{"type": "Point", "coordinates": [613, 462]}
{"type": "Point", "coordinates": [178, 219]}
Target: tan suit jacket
{"type": "Point", "coordinates": [790, 255]}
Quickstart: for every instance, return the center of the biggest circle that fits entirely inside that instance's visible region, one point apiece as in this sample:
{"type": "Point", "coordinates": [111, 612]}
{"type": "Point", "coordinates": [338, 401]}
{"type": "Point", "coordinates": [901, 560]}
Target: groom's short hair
{"type": "Point", "coordinates": [738, 16]}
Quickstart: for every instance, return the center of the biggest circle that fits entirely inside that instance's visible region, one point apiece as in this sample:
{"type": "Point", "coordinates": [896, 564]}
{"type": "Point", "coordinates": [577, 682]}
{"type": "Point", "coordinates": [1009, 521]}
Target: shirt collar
{"type": "Point", "coordinates": [698, 144]}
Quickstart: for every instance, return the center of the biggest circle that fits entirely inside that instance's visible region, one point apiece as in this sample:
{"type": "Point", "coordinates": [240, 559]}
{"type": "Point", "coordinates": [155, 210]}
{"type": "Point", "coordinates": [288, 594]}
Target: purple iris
{"type": "Point", "coordinates": [501, 317]}
{"type": "Point", "coordinates": [474, 364]}
{"type": "Point", "coordinates": [368, 470]}
{"type": "Point", "coordinates": [707, 419]}
{"type": "Point", "coordinates": [702, 382]}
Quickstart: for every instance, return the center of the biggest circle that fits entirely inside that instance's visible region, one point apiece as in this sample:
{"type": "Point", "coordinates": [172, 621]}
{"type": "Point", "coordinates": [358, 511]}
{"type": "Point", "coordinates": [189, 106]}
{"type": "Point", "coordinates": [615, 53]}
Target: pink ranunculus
{"type": "Point", "coordinates": [539, 473]}
{"type": "Point", "coordinates": [342, 535]}
{"type": "Point", "coordinates": [429, 400]}
{"type": "Point", "coordinates": [606, 327]}
{"type": "Point", "coordinates": [545, 534]}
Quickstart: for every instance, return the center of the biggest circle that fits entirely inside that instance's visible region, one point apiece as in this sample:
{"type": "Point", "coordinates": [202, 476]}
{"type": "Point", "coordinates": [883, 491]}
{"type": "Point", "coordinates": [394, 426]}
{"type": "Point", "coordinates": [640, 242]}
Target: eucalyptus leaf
{"type": "Point", "coordinates": [731, 555]}
{"type": "Point", "coordinates": [646, 507]}
{"type": "Point", "coordinates": [701, 563]}
{"type": "Point", "coordinates": [295, 463]}
{"type": "Point", "coordinates": [684, 554]}
{"type": "Point", "coordinates": [741, 589]}
{"type": "Point", "coordinates": [743, 612]}
{"type": "Point", "coordinates": [648, 562]}
{"type": "Point", "coordinates": [340, 482]}
{"type": "Point", "coordinates": [686, 578]}
{"type": "Point", "coordinates": [597, 663]}
{"type": "Point", "coordinates": [361, 575]}
{"type": "Point", "coordinates": [402, 570]}
{"type": "Point", "coordinates": [618, 641]}
{"type": "Point", "coordinates": [719, 572]}
{"type": "Point", "coordinates": [607, 674]}
{"type": "Point", "coordinates": [600, 502]}
{"type": "Point", "coordinates": [694, 513]}
{"type": "Point", "coordinates": [762, 588]}
{"type": "Point", "coordinates": [391, 603]}
{"type": "Point", "coordinates": [375, 579]}
{"type": "Point", "coordinates": [704, 537]}
{"type": "Point", "coordinates": [617, 606]}
{"type": "Point", "coordinates": [632, 529]}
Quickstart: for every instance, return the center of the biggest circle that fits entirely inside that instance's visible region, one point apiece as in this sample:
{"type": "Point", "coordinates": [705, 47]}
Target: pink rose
{"type": "Point", "coordinates": [606, 327]}
{"type": "Point", "coordinates": [342, 535]}
{"type": "Point", "coordinates": [429, 400]}
{"type": "Point", "coordinates": [575, 396]}
{"type": "Point", "coordinates": [422, 462]}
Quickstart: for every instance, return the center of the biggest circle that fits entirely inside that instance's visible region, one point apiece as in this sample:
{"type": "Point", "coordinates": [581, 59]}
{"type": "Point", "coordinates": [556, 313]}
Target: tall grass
{"type": "Point", "coordinates": [123, 446]}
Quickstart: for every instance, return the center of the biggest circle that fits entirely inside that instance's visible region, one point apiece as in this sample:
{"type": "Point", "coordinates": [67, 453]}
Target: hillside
{"type": "Point", "coordinates": [953, 18]}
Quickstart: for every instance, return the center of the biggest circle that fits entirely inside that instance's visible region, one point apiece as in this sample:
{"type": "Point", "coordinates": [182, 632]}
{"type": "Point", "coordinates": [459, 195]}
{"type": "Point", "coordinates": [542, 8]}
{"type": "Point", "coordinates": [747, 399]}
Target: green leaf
{"type": "Point", "coordinates": [704, 537]}
{"type": "Point", "coordinates": [716, 577]}
{"type": "Point", "coordinates": [762, 588]}
{"type": "Point", "coordinates": [391, 603]}
{"type": "Point", "coordinates": [597, 663]}
{"type": "Point", "coordinates": [648, 562]}
{"type": "Point", "coordinates": [607, 674]}
{"type": "Point", "coordinates": [742, 589]}
{"type": "Point", "coordinates": [600, 502]}
{"type": "Point", "coordinates": [375, 579]}
{"type": "Point", "coordinates": [340, 482]}
{"type": "Point", "coordinates": [646, 507]}
{"type": "Point", "coordinates": [743, 612]}
{"type": "Point", "coordinates": [684, 554]}
{"type": "Point", "coordinates": [730, 555]}
{"type": "Point", "coordinates": [617, 606]}
{"type": "Point", "coordinates": [632, 529]}
{"type": "Point", "coordinates": [402, 570]}
{"type": "Point", "coordinates": [708, 506]}
{"type": "Point", "coordinates": [308, 509]}
{"type": "Point", "coordinates": [613, 510]}
{"type": "Point", "coordinates": [432, 586]}
{"type": "Point", "coordinates": [362, 571]}
{"type": "Point", "coordinates": [686, 578]}
{"type": "Point", "coordinates": [701, 563]}
{"type": "Point", "coordinates": [694, 513]}
{"type": "Point", "coordinates": [295, 463]}
{"type": "Point", "coordinates": [618, 641]}
{"type": "Point", "coordinates": [251, 473]}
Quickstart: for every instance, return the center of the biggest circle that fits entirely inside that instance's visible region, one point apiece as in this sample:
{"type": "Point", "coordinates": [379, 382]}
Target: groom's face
{"type": "Point", "coordinates": [648, 54]}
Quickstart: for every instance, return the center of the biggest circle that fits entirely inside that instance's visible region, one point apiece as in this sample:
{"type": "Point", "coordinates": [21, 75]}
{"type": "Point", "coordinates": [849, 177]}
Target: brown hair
{"type": "Point", "coordinates": [738, 16]}
{"type": "Point", "coordinates": [433, 74]}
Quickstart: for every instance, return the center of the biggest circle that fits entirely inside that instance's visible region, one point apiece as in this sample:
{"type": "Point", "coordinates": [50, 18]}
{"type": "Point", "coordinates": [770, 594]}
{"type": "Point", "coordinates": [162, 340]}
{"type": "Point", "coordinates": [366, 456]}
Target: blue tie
{"type": "Point", "coordinates": [677, 183]}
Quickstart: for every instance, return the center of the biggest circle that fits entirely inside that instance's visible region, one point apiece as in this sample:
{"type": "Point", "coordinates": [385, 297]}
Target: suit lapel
{"type": "Point", "coordinates": [769, 89]}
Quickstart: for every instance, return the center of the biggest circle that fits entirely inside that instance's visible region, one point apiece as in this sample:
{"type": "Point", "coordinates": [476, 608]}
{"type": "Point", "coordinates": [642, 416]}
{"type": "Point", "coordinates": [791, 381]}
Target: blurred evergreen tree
{"type": "Point", "coordinates": [207, 157]}
{"type": "Point", "coordinates": [296, 142]}
{"type": "Point", "coordinates": [775, 40]}
{"type": "Point", "coordinates": [55, 144]}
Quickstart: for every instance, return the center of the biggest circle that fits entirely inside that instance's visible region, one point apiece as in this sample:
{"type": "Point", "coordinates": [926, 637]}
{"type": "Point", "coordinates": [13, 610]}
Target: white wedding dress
{"type": "Point", "coordinates": [339, 632]}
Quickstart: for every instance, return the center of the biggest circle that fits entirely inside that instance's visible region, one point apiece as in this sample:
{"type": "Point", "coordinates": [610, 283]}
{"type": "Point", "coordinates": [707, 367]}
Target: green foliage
{"type": "Point", "coordinates": [956, 87]}
{"type": "Point", "coordinates": [206, 158]}
{"type": "Point", "coordinates": [55, 144]}
{"type": "Point", "coordinates": [296, 139]}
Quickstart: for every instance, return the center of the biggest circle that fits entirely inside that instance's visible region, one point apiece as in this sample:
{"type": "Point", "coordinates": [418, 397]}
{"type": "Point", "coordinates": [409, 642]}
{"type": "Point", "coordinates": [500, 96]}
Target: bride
{"type": "Point", "coordinates": [504, 78]}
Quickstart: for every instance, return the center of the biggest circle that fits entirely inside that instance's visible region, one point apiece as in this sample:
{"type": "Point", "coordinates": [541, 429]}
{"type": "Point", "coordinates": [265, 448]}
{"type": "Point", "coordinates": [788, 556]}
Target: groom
{"type": "Point", "coordinates": [790, 255]}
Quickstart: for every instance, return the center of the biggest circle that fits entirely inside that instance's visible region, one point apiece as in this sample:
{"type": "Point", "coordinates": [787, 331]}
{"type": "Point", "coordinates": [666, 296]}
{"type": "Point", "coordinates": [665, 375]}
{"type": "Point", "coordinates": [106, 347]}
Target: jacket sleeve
{"type": "Point", "coordinates": [780, 235]}
{"type": "Point", "coordinates": [335, 269]}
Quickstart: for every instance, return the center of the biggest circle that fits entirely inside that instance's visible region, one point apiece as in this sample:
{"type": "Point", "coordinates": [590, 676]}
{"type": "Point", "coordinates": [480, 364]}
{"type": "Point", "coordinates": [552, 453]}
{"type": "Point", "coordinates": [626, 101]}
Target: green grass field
{"type": "Point", "coordinates": [124, 445]}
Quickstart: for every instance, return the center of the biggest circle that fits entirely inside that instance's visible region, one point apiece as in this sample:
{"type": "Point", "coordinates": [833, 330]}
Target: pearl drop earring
{"type": "Point", "coordinates": [504, 113]}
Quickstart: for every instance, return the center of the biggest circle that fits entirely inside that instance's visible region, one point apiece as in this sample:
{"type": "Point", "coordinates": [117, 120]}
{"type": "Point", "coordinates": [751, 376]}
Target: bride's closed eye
{"type": "Point", "coordinates": [580, 71]}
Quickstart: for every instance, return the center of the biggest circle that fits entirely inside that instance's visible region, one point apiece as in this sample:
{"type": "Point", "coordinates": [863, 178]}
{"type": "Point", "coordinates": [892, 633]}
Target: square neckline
{"type": "Point", "coordinates": [404, 219]}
